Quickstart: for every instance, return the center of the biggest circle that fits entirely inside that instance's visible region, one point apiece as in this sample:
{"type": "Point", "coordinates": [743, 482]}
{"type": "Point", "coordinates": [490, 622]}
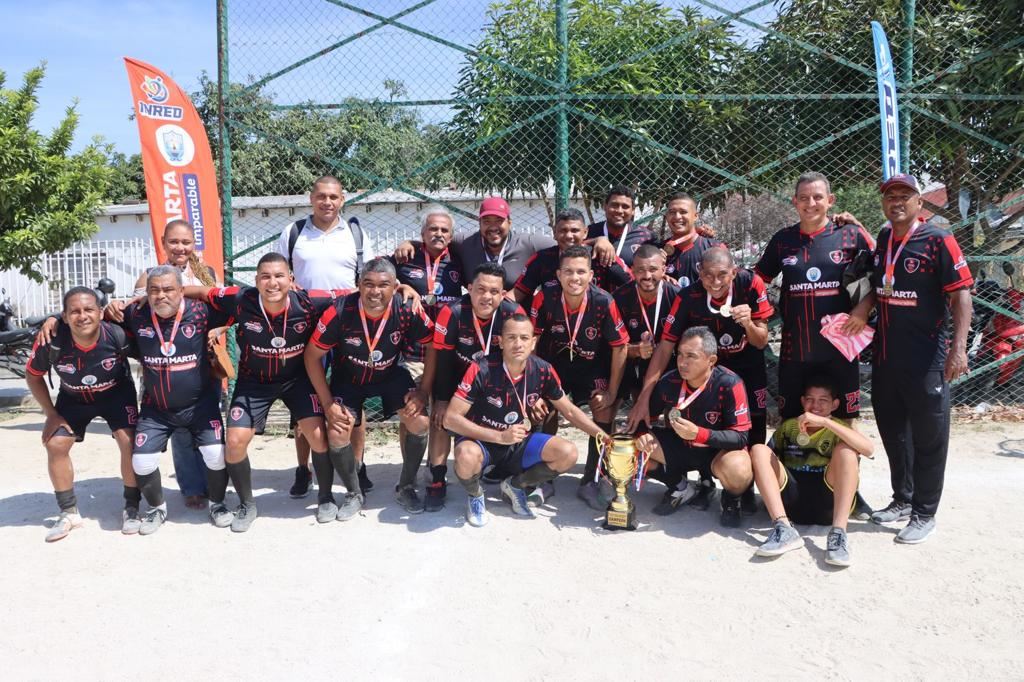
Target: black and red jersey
{"type": "Point", "coordinates": [495, 400]}
{"type": "Point", "coordinates": [639, 316]}
{"type": "Point", "coordinates": [85, 374]}
{"type": "Point", "coordinates": [558, 328]}
{"type": "Point", "coordinates": [442, 280]}
{"type": "Point", "coordinates": [542, 268]}
{"type": "Point", "coordinates": [635, 237]}
{"type": "Point", "coordinates": [178, 379]}
{"type": "Point", "coordinates": [457, 342]}
{"type": "Point", "coordinates": [913, 321]}
{"type": "Point", "coordinates": [812, 267]}
{"type": "Point", "coordinates": [261, 357]}
{"type": "Point", "coordinates": [721, 405]}
{"type": "Point", "coordinates": [341, 327]}
{"type": "Point", "coordinates": [693, 309]}
{"type": "Point", "coordinates": [683, 263]}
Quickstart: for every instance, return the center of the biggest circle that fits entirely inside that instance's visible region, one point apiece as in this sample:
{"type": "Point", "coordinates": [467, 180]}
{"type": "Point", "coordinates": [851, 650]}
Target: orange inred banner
{"type": "Point", "coordinates": [181, 182]}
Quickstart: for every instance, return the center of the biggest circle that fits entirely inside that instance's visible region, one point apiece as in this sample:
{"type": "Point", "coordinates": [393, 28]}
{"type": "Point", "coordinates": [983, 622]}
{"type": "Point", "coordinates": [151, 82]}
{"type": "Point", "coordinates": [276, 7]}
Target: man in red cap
{"type": "Point", "coordinates": [920, 277]}
{"type": "Point", "coordinates": [494, 243]}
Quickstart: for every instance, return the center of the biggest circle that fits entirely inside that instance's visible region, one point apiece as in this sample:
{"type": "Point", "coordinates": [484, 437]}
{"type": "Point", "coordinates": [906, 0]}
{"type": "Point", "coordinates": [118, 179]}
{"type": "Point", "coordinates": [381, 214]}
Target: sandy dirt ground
{"type": "Point", "coordinates": [387, 596]}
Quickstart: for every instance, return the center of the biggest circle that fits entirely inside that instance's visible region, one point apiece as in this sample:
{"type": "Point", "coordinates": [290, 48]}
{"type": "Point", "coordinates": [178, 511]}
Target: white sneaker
{"type": "Point", "coordinates": [517, 498]}
{"type": "Point", "coordinates": [65, 523]}
{"type": "Point", "coordinates": [131, 522]}
{"type": "Point", "coordinates": [476, 511]}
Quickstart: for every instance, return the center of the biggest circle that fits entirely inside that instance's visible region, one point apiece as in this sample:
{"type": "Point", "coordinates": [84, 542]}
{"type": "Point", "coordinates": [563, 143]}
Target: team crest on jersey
{"type": "Point", "coordinates": [254, 326]}
{"type": "Point", "coordinates": [299, 327]}
{"type": "Point", "coordinates": [147, 332]}
{"type": "Point", "coordinates": [396, 338]}
{"type": "Point", "coordinates": [140, 439]}
{"type": "Point", "coordinates": [789, 260]}
{"type": "Point", "coordinates": [633, 323]}
{"type": "Point", "coordinates": [511, 417]}
{"type": "Point", "coordinates": [189, 330]}
{"type": "Point", "coordinates": [66, 369]}
{"type": "Point", "coordinates": [108, 363]}
{"type": "Point", "coordinates": [354, 341]}
{"type": "Point", "coordinates": [911, 265]}
{"type": "Point", "coordinates": [532, 398]}
{"type": "Point", "coordinates": [454, 274]}
{"type": "Point", "coordinates": [813, 274]}
{"type": "Point", "coordinates": [414, 274]}
{"type": "Point", "coordinates": [591, 333]}
{"type": "Point", "coordinates": [712, 417]}
{"type": "Point", "coordinates": [496, 401]}
{"type": "Point", "coordinates": [684, 281]}
{"type": "Point", "coordinates": [837, 256]}
{"type": "Point", "coordinates": [726, 340]}
{"type": "Point", "coordinates": [236, 413]}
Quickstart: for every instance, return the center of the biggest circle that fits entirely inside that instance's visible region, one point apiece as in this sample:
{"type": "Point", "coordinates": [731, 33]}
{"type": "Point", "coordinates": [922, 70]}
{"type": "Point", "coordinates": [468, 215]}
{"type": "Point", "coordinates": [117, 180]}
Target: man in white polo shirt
{"type": "Point", "coordinates": [325, 251]}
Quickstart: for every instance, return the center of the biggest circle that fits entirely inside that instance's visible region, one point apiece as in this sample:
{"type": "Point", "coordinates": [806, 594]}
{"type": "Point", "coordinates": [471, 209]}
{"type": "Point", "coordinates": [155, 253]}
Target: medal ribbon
{"type": "Point", "coordinates": [684, 239]}
{"type": "Point", "coordinates": [270, 327]}
{"type": "Point", "coordinates": [166, 345]}
{"type": "Point", "coordinates": [522, 401]}
{"type": "Point", "coordinates": [501, 254]}
{"type": "Point", "coordinates": [432, 273]}
{"type": "Point", "coordinates": [657, 310]}
{"type": "Point", "coordinates": [622, 239]}
{"type": "Point", "coordinates": [728, 302]}
{"type": "Point", "coordinates": [372, 345]}
{"type": "Point", "coordinates": [890, 262]}
{"type": "Point", "coordinates": [485, 347]}
{"type": "Point", "coordinates": [685, 400]}
{"type": "Point", "coordinates": [579, 319]}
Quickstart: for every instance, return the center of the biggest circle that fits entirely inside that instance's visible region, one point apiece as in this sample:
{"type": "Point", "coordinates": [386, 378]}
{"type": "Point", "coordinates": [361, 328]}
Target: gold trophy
{"type": "Point", "coordinates": [620, 464]}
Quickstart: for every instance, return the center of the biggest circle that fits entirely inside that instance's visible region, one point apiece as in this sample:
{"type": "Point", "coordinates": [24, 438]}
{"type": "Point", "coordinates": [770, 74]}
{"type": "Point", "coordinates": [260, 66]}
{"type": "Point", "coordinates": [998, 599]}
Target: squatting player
{"type": "Point", "coordinates": [90, 358]}
{"type": "Point", "coordinates": [464, 333]}
{"type": "Point", "coordinates": [489, 412]}
{"type": "Point", "coordinates": [368, 331]}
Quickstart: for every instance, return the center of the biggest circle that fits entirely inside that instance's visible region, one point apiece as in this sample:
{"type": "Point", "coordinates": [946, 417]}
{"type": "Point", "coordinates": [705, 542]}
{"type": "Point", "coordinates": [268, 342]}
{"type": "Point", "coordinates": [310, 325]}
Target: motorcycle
{"type": "Point", "coordinates": [16, 346]}
{"type": "Point", "coordinates": [6, 311]}
{"type": "Point", "coordinates": [994, 336]}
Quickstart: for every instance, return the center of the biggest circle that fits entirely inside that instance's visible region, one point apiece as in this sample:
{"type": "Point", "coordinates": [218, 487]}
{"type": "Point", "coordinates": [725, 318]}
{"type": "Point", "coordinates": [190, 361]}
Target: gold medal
{"type": "Point", "coordinates": [527, 425]}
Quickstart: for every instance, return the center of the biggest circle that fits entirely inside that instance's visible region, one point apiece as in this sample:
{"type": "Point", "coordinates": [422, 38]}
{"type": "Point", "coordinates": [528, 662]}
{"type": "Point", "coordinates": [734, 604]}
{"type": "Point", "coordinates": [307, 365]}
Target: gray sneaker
{"type": "Point", "coordinates": [588, 492]}
{"type": "Point", "coordinates": [517, 498]}
{"type": "Point", "coordinates": [245, 514]}
{"type": "Point", "coordinates": [894, 511]}
{"type": "Point", "coordinates": [409, 500]}
{"type": "Point", "coordinates": [221, 515]}
{"type": "Point", "coordinates": [862, 511]}
{"type": "Point", "coordinates": [153, 519]}
{"type": "Point", "coordinates": [837, 548]}
{"type": "Point", "coordinates": [917, 531]}
{"type": "Point", "coordinates": [675, 498]}
{"type": "Point", "coordinates": [351, 504]}
{"type": "Point", "coordinates": [65, 523]}
{"type": "Point", "coordinates": [131, 522]}
{"type": "Point", "coordinates": [783, 538]}
{"type": "Point", "coordinates": [545, 491]}
{"type": "Point", "coordinates": [326, 512]}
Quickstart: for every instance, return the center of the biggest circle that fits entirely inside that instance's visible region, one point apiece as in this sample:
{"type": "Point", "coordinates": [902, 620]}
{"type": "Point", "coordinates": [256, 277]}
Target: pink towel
{"type": "Point", "coordinates": [849, 346]}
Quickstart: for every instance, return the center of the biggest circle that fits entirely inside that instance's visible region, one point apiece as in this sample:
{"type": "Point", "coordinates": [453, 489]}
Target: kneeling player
{"type": "Point", "coordinates": [489, 412]}
{"type": "Point", "coordinates": [91, 363]}
{"type": "Point", "coordinates": [709, 423]}
{"type": "Point", "coordinates": [810, 473]}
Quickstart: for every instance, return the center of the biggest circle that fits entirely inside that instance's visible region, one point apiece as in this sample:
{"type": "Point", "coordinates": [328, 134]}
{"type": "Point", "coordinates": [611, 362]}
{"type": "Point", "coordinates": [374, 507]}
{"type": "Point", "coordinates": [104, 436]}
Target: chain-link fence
{"type": "Point", "coordinates": [551, 102]}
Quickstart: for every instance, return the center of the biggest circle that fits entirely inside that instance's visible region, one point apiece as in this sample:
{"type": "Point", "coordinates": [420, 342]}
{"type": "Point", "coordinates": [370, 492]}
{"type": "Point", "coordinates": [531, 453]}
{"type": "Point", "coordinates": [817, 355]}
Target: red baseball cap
{"type": "Point", "coordinates": [494, 206]}
{"type": "Point", "coordinates": [902, 179]}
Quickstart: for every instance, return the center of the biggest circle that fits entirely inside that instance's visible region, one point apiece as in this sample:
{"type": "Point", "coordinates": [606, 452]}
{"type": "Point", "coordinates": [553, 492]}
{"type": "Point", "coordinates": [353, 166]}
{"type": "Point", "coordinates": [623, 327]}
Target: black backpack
{"type": "Point", "coordinates": [357, 236]}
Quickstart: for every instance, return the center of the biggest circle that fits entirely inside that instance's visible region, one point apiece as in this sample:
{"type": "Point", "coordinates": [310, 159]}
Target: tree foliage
{"type": "Point", "coordinates": [48, 196]}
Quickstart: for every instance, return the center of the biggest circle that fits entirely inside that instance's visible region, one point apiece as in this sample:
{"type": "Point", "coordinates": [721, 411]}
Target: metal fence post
{"type": "Point", "coordinates": [562, 142]}
{"type": "Point", "coordinates": [907, 75]}
{"type": "Point", "coordinates": [223, 85]}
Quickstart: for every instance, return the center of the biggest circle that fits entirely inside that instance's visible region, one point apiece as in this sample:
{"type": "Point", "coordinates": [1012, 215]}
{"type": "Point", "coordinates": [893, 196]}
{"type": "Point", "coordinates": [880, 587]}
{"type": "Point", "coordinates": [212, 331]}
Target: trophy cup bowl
{"type": "Point", "coordinates": [620, 464]}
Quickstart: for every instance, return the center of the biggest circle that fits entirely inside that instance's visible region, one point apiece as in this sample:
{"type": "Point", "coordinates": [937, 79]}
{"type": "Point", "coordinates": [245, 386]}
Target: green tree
{"type": "Point", "coordinates": [127, 182]}
{"type": "Point", "coordinates": [48, 196]}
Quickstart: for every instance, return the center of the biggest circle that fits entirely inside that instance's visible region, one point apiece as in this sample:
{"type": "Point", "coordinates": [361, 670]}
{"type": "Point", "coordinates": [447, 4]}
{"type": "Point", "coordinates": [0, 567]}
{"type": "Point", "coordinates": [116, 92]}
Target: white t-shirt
{"type": "Point", "coordinates": [325, 260]}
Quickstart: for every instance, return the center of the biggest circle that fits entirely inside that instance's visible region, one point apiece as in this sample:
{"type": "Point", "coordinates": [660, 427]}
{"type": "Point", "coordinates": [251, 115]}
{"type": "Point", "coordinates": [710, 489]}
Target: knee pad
{"type": "Point", "coordinates": [213, 456]}
{"type": "Point", "coordinates": [145, 463]}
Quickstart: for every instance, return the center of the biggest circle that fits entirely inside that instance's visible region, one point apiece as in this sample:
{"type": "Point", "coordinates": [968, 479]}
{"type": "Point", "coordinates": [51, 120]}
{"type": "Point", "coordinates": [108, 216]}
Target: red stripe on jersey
{"type": "Point", "coordinates": [444, 320]}
{"type": "Point", "coordinates": [214, 295]}
{"type": "Point", "coordinates": [761, 308]}
{"type": "Point", "coordinates": [467, 382]}
{"type": "Point", "coordinates": [620, 326]}
{"type": "Point", "coordinates": [666, 330]}
{"type": "Point", "coordinates": [742, 408]}
{"type": "Point", "coordinates": [956, 257]}
{"type": "Point", "coordinates": [321, 327]}
{"type": "Point", "coordinates": [867, 237]}
{"type": "Point", "coordinates": [702, 435]}
{"type": "Point", "coordinates": [538, 301]}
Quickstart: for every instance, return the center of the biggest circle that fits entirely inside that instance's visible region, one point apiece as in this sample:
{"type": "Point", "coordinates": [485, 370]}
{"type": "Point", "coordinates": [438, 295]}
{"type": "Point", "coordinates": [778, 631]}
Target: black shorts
{"type": "Point", "coordinates": [118, 406]}
{"type": "Point", "coordinates": [632, 378]}
{"type": "Point", "coordinates": [580, 380]}
{"type": "Point", "coordinates": [251, 402]}
{"type": "Point", "coordinates": [808, 498]}
{"type": "Point", "coordinates": [391, 391]}
{"type": "Point", "coordinates": [845, 376]}
{"type": "Point", "coordinates": [502, 461]}
{"type": "Point", "coordinates": [203, 420]}
{"type": "Point", "coordinates": [680, 456]}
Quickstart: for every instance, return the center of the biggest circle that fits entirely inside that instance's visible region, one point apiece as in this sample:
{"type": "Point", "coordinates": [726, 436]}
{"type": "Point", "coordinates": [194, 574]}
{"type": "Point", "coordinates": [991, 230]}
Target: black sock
{"type": "Point", "coordinates": [438, 472]}
{"type": "Point", "coordinates": [151, 487]}
{"type": "Point", "coordinates": [324, 476]}
{"type": "Point", "coordinates": [132, 497]}
{"type": "Point", "coordinates": [241, 477]}
{"type": "Point", "coordinates": [415, 446]}
{"type": "Point", "coordinates": [66, 500]}
{"type": "Point", "coordinates": [217, 484]}
{"type": "Point", "coordinates": [593, 454]}
{"type": "Point", "coordinates": [534, 476]}
{"type": "Point", "coordinates": [659, 473]}
{"type": "Point", "coordinates": [343, 460]}
{"type": "Point", "coordinates": [472, 484]}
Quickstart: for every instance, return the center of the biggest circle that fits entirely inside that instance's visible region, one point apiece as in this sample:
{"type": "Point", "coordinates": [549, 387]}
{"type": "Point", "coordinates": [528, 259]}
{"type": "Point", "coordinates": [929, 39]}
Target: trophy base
{"type": "Point", "coordinates": [615, 519]}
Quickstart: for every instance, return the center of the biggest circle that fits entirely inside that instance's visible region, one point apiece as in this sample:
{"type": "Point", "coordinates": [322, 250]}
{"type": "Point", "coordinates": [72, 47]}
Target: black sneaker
{"type": "Point", "coordinates": [731, 515]}
{"type": "Point", "coordinates": [862, 511]}
{"type": "Point", "coordinates": [303, 482]}
{"type": "Point", "coordinates": [673, 499]}
{"type": "Point", "coordinates": [705, 491]}
{"type": "Point", "coordinates": [365, 484]}
{"type": "Point", "coordinates": [435, 494]}
{"type": "Point", "coordinates": [408, 499]}
{"type": "Point", "coordinates": [748, 502]}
